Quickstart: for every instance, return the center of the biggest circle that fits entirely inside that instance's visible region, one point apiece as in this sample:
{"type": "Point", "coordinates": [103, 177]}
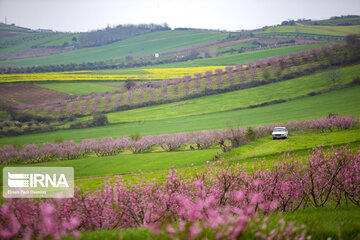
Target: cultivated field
{"type": "Point", "coordinates": [28, 94]}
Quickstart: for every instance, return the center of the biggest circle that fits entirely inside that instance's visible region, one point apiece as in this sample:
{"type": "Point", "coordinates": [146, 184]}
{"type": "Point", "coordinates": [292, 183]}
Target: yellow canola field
{"type": "Point", "coordinates": [147, 74]}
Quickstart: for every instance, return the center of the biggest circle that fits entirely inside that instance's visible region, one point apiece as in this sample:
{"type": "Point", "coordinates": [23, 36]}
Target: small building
{"type": "Point", "coordinates": [156, 55]}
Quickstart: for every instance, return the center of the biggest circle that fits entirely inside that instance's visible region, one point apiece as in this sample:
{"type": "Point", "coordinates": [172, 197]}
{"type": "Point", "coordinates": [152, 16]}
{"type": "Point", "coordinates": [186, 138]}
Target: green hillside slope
{"type": "Point", "coordinates": [145, 44]}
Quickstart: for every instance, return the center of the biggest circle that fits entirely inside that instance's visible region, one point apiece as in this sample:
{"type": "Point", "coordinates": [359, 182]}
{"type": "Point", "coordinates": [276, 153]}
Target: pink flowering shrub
{"type": "Point", "coordinates": [229, 71]}
{"type": "Point", "coordinates": [26, 218]}
{"type": "Point", "coordinates": [141, 144]}
{"type": "Point", "coordinates": [209, 79]}
{"type": "Point", "coordinates": [186, 84]}
{"type": "Point", "coordinates": [170, 142]}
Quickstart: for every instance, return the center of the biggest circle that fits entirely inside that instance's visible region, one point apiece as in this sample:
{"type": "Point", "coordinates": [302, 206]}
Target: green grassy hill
{"type": "Point", "coordinates": [145, 44]}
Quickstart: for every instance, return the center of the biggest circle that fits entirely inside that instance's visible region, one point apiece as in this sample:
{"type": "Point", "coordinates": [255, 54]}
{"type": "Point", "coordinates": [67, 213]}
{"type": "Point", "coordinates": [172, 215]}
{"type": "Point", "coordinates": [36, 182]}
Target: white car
{"type": "Point", "coordinates": [279, 132]}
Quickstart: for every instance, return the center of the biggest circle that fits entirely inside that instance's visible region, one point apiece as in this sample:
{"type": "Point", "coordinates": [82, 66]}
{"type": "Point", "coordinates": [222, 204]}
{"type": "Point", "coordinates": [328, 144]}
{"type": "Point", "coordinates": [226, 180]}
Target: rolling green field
{"type": "Point", "coordinates": [144, 44]}
{"type": "Point", "coordinates": [343, 102]}
{"type": "Point", "coordinates": [283, 90]}
{"type": "Point", "coordinates": [78, 88]}
{"type": "Point", "coordinates": [242, 58]}
{"type": "Point", "coordinates": [312, 29]}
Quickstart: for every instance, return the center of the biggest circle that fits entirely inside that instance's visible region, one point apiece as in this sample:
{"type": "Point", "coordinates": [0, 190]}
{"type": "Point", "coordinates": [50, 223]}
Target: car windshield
{"type": "Point", "coordinates": [279, 130]}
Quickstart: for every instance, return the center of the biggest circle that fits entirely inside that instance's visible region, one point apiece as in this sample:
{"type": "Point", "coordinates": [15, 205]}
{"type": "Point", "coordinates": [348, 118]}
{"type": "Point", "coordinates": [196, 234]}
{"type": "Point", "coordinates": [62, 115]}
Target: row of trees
{"type": "Point", "coordinates": [226, 139]}
{"type": "Point", "coordinates": [218, 203]}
